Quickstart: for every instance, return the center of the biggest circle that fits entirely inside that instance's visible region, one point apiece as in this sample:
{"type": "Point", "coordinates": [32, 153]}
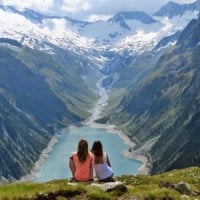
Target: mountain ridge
{"type": "Point", "coordinates": [172, 9]}
{"type": "Point", "coordinates": [78, 32]}
{"type": "Point", "coordinates": [136, 15]}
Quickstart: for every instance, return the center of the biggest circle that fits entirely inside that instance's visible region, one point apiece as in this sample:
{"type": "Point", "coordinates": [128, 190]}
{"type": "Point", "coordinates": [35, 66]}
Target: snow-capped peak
{"type": "Point", "coordinates": [132, 31]}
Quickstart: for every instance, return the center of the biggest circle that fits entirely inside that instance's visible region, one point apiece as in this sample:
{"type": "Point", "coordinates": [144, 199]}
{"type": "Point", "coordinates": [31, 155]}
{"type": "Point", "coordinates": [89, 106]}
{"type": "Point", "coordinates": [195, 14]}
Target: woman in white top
{"type": "Point", "coordinates": [102, 166]}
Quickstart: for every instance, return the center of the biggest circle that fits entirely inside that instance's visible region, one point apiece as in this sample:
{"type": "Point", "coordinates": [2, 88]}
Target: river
{"type": "Point", "coordinates": [54, 162]}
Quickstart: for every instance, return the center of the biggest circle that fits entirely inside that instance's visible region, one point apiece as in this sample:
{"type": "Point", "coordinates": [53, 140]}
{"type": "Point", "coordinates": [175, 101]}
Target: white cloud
{"type": "Point", "coordinates": [76, 5]}
{"type": "Point", "coordinates": [93, 18]}
{"type": "Point", "coordinates": [185, 1]}
{"type": "Point", "coordinates": [43, 5]}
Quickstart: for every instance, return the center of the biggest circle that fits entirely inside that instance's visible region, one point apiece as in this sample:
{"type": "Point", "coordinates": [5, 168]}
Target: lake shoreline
{"type": "Point", "coordinates": [40, 161]}
{"type": "Point", "coordinates": [96, 113]}
{"type": "Point", "coordinates": [135, 155]}
{"type": "Point", "coordinates": [138, 154]}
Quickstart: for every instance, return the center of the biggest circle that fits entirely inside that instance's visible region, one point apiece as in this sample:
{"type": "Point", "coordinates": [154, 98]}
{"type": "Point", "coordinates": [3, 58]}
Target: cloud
{"type": "Point", "coordinates": [93, 18]}
{"type": "Point", "coordinates": [90, 9]}
{"type": "Point", "coordinates": [43, 5]}
{"type": "Point", "coordinates": [76, 5]}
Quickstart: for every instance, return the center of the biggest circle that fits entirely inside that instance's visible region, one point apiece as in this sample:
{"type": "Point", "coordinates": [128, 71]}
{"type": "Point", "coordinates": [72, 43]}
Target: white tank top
{"type": "Point", "coordinates": [102, 170]}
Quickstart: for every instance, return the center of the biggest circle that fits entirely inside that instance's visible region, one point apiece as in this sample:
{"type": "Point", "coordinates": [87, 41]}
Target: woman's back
{"type": "Point", "coordinates": [101, 163]}
{"type": "Point", "coordinates": [103, 170]}
{"type": "Point", "coordinates": [83, 169]}
{"type": "Point", "coordinates": [80, 162]}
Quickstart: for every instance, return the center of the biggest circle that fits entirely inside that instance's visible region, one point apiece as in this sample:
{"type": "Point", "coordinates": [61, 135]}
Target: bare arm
{"type": "Point", "coordinates": [108, 161]}
{"type": "Point", "coordinates": [91, 168]}
{"type": "Point", "coordinates": [71, 165]}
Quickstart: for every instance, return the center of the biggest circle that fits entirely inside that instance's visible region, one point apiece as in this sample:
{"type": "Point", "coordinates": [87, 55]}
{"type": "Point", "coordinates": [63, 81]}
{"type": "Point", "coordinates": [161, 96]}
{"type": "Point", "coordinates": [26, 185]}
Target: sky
{"type": "Point", "coordinates": [89, 10]}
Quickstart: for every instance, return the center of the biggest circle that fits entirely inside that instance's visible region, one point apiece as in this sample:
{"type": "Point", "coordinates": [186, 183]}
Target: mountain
{"type": "Point", "coordinates": [168, 40]}
{"type": "Point", "coordinates": [27, 107]}
{"type": "Point", "coordinates": [160, 111]}
{"type": "Point", "coordinates": [29, 14]}
{"type": "Point", "coordinates": [131, 31]}
{"type": "Point", "coordinates": [38, 97]}
{"type": "Point", "coordinates": [172, 9]}
{"type": "Point", "coordinates": [190, 37]}
{"type": "Point", "coordinates": [139, 16]}
{"type": "Point", "coordinates": [49, 67]}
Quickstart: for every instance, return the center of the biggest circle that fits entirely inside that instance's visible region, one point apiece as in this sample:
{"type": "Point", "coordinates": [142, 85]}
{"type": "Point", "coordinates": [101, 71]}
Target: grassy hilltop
{"type": "Point", "coordinates": [135, 187]}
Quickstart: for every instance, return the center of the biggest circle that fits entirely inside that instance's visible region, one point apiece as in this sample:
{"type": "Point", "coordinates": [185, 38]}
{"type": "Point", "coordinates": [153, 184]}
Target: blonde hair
{"type": "Point", "coordinates": [82, 150]}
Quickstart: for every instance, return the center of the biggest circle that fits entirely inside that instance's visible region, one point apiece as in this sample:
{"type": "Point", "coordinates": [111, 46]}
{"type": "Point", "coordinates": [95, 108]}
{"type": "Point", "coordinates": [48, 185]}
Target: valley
{"type": "Point", "coordinates": [138, 74]}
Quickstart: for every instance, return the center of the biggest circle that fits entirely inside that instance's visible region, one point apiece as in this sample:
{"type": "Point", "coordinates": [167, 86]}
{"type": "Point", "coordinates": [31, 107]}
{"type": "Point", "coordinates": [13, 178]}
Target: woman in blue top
{"type": "Point", "coordinates": [102, 166]}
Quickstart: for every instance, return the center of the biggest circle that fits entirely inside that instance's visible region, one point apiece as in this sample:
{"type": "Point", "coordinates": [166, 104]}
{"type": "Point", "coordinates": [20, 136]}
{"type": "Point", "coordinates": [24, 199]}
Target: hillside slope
{"type": "Point", "coordinates": [38, 97]}
{"type": "Point", "coordinates": [162, 108]}
{"type": "Point", "coordinates": [174, 185]}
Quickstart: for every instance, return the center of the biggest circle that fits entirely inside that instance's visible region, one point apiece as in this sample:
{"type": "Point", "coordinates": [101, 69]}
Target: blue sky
{"type": "Point", "coordinates": [90, 9]}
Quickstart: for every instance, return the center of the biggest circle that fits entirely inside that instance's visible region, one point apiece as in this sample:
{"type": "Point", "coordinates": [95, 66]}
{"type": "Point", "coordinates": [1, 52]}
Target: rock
{"type": "Point", "coordinates": [183, 188]}
{"type": "Point", "coordinates": [167, 185]}
{"type": "Point", "coordinates": [117, 186]}
{"type": "Point", "coordinates": [185, 197]}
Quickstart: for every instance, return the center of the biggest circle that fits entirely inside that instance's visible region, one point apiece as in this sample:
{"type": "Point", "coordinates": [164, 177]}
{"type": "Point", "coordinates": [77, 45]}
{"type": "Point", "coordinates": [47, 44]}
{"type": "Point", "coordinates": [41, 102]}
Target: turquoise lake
{"type": "Point", "coordinates": [55, 165]}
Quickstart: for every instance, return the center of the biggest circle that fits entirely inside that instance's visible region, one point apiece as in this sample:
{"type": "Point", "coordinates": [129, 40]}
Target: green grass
{"type": "Point", "coordinates": [139, 187]}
